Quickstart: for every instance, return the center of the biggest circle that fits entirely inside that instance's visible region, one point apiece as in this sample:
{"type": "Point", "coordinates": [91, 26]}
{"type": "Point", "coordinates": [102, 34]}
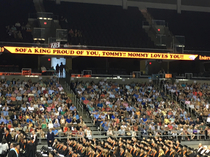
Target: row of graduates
{"type": "Point", "coordinates": [150, 147]}
{"type": "Point", "coordinates": [25, 148]}
{"type": "Point", "coordinates": [27, 145]}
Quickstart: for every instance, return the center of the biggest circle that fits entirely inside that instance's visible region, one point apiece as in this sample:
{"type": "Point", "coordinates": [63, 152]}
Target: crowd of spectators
{"type": "Point", "coordinates": [74, 34]}
{"type": "Point", "coordinates": [39, 106]}
{"type": "Point", "coordinates": [137, 109]}
{"type": "Point", "coordinates": [194, 96]}
{"type": "Point", "coordinates": [19, 32]}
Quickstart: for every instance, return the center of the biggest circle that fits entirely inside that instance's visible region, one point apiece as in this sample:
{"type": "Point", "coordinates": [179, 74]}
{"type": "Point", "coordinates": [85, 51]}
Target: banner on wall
{"type": "Point", "coordinates": [99, 53]}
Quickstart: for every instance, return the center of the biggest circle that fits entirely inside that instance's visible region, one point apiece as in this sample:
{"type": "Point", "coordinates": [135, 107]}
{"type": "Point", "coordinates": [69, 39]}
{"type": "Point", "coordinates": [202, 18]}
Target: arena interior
{"type": "Point", "coordinates": [104, 78]}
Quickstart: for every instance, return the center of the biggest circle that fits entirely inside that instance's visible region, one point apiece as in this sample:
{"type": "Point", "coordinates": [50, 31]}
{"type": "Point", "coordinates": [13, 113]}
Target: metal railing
{"type": "Point", "coordinates": [127, 134]}
{"type": "Point", "coordinates": [174, 97]}
{"type": "Point", "coordinates": [4, 43]}
{"type": "Point", "coordinates": [101, 134]}
{"type": "Point", "coordinates": [181, 103]}
{"type": "Point", "coordinates": [74, 98]}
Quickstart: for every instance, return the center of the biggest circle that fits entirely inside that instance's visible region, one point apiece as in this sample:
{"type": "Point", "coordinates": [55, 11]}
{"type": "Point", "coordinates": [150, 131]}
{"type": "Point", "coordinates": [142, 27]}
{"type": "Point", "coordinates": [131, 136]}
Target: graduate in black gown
{"type": "Point", "coordinates": [35, 140]}
{"type": "Point", "coordinates": [59, 149]}
{"type": "Point", "coordinates": [7, 136]}
{"type": "Point", "coordinates": [190, 153]}
{"type": "Point", "coordinates": [30, 148]}
{"type": "Point", "coordinates": [155, 152]}
{"type": "Point", "coordinates": [23, 145]}
{"type": "Point", "coordinates": [1, 134]}
{"type": "Point", "coordinates": [151, 147]}
{"type": "Point", "coordinates": [14, 151]}
{"type": "Point", "coordinates": [122, 151]}
{"type": "Point", "coordinates": [70, 152]}
{"type": "Point", "coordinates": [51, 154]}
{"type": "Point", "coordinates": [64, 150]}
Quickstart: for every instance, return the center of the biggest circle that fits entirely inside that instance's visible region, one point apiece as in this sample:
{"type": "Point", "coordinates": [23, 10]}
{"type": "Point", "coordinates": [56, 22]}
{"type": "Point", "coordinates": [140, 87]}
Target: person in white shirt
{"type": "Point", "coordinates": [101, 82]}
{"type": "Point", "coordinates": [41, 108]}
{"type": "Point", "coordinates": [111, 95]}
{"type": "Point", "coordinates": [207, 106]}
{"type": "Point", "coordinates": [133, 133]}
{"type": "Point", "coordinates": [123, 126]}
{"type": "Point", "coordinates": [46, 95]}
{"type": "Point", "coordinates": [50, 125]}
{"type": "Point", "coordinates": [109, 132]}
{"type": "Point", "coordinates": [79, 92]}
{"type": "Point", "coordinates": [56, 113]}
{"type": "Point", "coordinates": [5, 85]}
{"type": "Point", "coordinates": [95, 86]}
{"type": "Point", "coordinates": [60, 88]}
{"type": "Point", "coordinates": [88, 133]}
{"type": "Point", "coordinates": [4, 147]}
{"type": "Point", "coordinates": [36, 105]}
{"type": "Point", "coordinates": [43, 88]}
{"type": "Point", "coordinates": [17, 24]}
{"type": "Point", "coordinates": [31, 108]}
{"type": "Point", "coordinates": [34, 91]}
{"type": "Point", "coordinates": [60, 108]}
{"type": "Point", "coordinates": [127, 87]}
{"type": "Point", "coordinates": [21, 87]}
{"type": "Point", "coordinates": [5, 107]}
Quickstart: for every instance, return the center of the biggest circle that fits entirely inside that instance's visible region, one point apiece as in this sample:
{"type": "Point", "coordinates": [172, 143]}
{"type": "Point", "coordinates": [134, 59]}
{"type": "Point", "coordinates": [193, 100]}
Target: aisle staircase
{"type": "Point", "coordinates": [88, 121]}
{"type": "Point", "coordinates": [151, 30]}
{"type": "Point", "coordinates": [45, 22]}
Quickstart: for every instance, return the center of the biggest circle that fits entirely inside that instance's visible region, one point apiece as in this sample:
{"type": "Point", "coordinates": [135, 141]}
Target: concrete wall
{"type": "Point", "coordinates": [45, 62]}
